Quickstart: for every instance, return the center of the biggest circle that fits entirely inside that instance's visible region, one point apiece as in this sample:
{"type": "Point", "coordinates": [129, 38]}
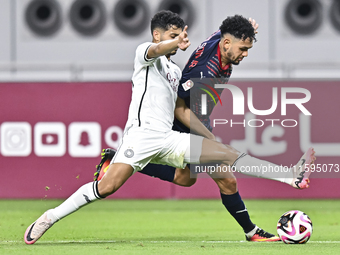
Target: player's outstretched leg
{"type": "Point", "coordinates": [259, 235]}
{"type": "Point", "coordinates": [107, 156]}
{"type": "Point", "coordinates": [84, 195]}
{"type": "Point", "coordinates": [115, 177]}
{"type": "Point", "coordinates": [38, 228]}
{"type": "Point", "coordinates": [302, 170]}
{"type": "Point", "coordinates": [297, 176]}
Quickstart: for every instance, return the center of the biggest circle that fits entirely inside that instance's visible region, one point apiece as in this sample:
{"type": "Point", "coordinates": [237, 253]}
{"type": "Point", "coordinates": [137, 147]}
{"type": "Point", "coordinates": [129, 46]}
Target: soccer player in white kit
{"type": "Point", "coordinates": [148, 135]}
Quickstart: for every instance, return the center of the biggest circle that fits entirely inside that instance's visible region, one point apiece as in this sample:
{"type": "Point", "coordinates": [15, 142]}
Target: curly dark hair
{"type": "Point", "coordinates": [239, 27]}
{"type": "Point", "coordinates": [165, 19]}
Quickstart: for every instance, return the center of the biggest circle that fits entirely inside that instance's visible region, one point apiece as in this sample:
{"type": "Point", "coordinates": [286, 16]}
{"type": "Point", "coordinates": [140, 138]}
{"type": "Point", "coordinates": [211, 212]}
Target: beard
{"type": "Point", "coordinates": [230, 57]}
{"type": "Point", "coordinates": [235, 62]}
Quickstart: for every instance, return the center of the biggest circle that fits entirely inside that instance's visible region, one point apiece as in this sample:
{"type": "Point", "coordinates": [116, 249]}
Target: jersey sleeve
{"type": "Point", "coordinates": [184, 88]}
{"type": "Point", "coordinates": [200, 55]}
{"type": "Point", "coordinates": [142, 52]}
{"type": "Point", "coordinates": [196, 67]}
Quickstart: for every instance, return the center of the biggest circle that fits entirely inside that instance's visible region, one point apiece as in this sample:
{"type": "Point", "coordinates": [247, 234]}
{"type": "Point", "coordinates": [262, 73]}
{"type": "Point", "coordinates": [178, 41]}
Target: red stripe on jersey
{"type": "Point", "coordinates": [219, 58]}
{"type": "Point", "coordinates": [212, 70]}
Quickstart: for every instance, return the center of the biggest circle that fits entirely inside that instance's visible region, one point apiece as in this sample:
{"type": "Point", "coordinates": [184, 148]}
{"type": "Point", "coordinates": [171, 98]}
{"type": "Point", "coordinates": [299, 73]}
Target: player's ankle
{"type": "Point", "coordinates": [252, 232]}
{"type": "Point", "coordinates": [50, 215]}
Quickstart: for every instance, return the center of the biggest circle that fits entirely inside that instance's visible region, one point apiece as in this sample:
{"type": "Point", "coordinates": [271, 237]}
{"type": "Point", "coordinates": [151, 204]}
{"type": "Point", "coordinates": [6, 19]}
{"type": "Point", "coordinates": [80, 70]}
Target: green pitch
{"type": "Point", "coordinates": [164, 227]}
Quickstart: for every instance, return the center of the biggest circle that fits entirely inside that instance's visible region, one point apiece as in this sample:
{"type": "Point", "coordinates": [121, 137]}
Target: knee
{"type": "Point", "coordinates": [184, 181]}
{"type": "Point", "coordinates": [183, 178]}
{"type": "Point", "coordinates": [227, 185]}
{"type": "Point", "coordinates": [106, 188]}
{"type": "Point", "coordinates": [189, 182]}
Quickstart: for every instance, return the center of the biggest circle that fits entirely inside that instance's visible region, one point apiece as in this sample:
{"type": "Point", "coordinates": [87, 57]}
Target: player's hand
{"type": "Point", "coordinates": [254, 24]}
{"type": "Point", "coordinates": [183, 40]}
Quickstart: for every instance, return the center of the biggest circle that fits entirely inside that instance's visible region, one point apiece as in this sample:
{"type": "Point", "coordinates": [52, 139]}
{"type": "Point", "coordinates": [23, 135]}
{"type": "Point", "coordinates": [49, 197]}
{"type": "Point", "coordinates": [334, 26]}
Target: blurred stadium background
{"type": "Point", "coordinates": [65, 70]}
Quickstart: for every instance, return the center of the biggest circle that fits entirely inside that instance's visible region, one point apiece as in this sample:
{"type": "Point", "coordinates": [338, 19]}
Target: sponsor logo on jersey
{"type": "Point", "coordinates": [188, 85]}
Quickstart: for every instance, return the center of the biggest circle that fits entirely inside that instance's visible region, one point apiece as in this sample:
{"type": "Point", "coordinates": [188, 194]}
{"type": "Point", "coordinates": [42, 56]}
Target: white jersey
{"type": "Point", "coordinates": [154, 93]}
{"type": "Point", "coordinates": [148, 136]}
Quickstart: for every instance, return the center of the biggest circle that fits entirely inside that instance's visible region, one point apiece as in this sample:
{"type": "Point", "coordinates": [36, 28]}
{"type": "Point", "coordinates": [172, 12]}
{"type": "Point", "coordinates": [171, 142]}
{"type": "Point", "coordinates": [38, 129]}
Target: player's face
{"type": "Point", "coordinates": [170, 34]}
{"type": "Point", "coordinates": [235, 50]}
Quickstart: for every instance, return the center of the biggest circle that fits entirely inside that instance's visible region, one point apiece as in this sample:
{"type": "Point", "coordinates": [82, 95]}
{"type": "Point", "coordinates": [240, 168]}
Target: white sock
{"type": "Point", "coordinates": [260, 168]}
{"type": "Point", "coordinates": [83, 196]}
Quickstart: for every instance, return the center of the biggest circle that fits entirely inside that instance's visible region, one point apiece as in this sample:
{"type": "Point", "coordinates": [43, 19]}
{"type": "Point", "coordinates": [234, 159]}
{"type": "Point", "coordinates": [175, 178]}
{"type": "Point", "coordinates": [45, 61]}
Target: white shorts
{"type": "Point", "coordinates": [141, 146]}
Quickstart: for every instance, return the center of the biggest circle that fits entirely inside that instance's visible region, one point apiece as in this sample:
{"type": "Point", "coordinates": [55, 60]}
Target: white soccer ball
{"type": "Point", "coordinates": [294, 227]}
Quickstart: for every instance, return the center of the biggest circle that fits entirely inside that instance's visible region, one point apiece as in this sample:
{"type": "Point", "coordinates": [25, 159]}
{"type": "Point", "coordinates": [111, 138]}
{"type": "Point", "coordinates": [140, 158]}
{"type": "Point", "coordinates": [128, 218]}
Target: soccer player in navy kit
{"type": "Point", "coordinates": [209, 62]}
{"type": "Point", "coordinates": [212, 62]}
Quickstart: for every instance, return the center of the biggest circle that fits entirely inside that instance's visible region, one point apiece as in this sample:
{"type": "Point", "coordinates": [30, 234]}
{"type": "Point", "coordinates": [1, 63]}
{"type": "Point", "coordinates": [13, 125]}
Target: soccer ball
{"type": "Point", "coordinates": [294, 227]}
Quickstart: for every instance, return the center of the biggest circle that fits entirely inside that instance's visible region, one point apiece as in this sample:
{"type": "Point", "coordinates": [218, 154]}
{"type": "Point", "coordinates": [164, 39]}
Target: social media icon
{"type": "Point", "coordinates": [16, 139]}
{"type": "Point", "coordinates": [84, 139]}
{"type": "Point", "coordinates": [50, 139]}
{"type": "Point", "coordinates": [113, 136]}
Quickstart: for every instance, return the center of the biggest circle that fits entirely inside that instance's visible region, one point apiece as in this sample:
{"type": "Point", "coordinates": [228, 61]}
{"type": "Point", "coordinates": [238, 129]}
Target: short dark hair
{"type": "Point", "coordinates": [239, 27]}
{"type": "Point", "coordinates": [166, 19]}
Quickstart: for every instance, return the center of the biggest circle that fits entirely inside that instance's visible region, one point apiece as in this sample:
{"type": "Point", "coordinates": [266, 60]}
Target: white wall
{"type": "Point", "coordinates": [108, 55]}
{"type": "Point", "coordinates": [5, 31]}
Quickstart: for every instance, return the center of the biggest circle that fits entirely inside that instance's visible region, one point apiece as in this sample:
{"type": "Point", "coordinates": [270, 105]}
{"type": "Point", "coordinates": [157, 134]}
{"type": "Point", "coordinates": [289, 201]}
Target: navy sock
{"type": "Point", "coordinates": [235, 206]}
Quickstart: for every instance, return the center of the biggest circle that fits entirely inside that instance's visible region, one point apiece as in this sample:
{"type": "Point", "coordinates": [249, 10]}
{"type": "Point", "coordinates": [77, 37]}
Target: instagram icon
{"type": "Point", "coordinates": [16, 139]}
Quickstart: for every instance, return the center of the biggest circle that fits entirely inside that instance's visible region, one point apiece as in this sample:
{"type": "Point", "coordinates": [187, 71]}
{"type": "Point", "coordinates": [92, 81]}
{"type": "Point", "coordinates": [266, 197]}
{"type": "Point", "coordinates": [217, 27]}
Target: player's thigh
{"type": "Point", "coordinates": [138, 147]}
{"type": "Point", "coordinates": [213, 151]}
{"type": "Point", "coordinates": [174, 152]}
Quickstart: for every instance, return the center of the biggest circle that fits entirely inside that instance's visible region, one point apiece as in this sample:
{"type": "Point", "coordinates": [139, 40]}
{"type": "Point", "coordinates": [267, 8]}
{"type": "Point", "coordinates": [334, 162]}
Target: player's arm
{"type": "Point", "coordinates": [190, 120]}
{"type": "Point", "coordinates": [165, 47]}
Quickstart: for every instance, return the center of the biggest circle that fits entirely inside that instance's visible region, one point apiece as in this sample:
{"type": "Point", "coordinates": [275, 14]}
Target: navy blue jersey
{"type": "Point", "coordinates": [202, 71]}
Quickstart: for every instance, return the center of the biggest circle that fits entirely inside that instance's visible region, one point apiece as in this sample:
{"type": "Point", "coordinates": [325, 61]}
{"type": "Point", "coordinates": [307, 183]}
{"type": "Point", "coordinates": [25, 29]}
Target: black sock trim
{"type": "Point", "coordinates": [95, 190]}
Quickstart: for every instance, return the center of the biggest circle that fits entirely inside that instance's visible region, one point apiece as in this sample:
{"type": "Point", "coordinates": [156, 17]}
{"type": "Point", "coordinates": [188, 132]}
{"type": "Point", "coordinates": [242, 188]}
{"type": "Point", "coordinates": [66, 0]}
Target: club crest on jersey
{"type": "Point", "coordinates": [173, 81]}
{"type": "Point", "coordinates": [129, 153]}
{"type": "Point", "coordinates": [187, 85]}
